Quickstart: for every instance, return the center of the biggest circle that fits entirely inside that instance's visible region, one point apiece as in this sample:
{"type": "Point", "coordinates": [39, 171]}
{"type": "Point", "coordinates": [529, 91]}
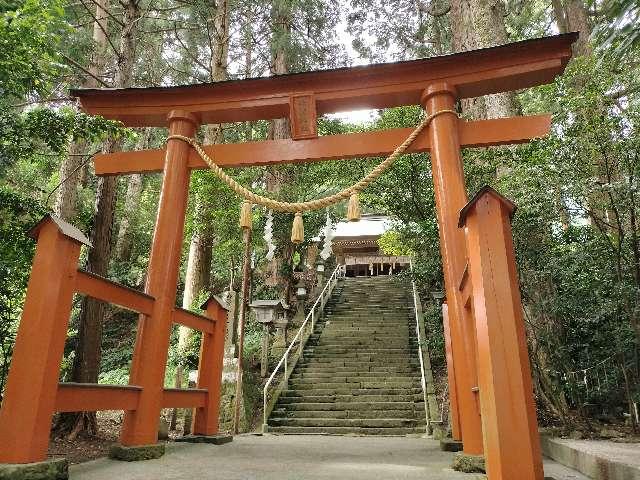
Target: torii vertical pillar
{"type": "Point", "coordinates": [511, 439]}
{"type": "Point", "coordinates": [152, 341]}
{"type": "Point", "coordinates": [451, 196]}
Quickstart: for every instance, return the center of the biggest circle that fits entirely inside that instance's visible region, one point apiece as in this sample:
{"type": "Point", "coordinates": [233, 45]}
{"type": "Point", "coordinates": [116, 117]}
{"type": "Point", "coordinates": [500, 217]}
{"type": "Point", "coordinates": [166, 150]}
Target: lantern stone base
{"type": "Point", "coordinates": [466, 463]}
{"type": "Point", "coordinates": [57, 469]}
{"type": "Point", "coordinates": [219, 439]}
{"type": "Point", "coordinates": [137, 453]}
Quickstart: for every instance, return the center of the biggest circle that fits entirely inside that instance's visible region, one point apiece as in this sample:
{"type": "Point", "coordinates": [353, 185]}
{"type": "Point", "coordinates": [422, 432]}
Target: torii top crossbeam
{"type": "Point", "coordinates": [473, 73]}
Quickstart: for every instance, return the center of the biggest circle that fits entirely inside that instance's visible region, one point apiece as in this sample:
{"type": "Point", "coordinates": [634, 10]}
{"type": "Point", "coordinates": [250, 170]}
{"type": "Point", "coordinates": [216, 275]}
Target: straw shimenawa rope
{"type": "Point", "coordinates": [299, 207]}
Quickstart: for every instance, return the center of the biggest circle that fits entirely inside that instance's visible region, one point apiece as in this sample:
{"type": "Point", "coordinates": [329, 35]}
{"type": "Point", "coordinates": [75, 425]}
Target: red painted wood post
{"type": "Point", "coordinates": [454, 414]}
{"type": "Point", "coordinates": [152, 341]}
{"type": "Point", "coordinates": [32, 385]}
{"type": "Point", "coordinates": [511, 439]}
{"type": "Point", "coordinates": [205, 420]}
{"type": "Point", "coordinates": [451, 196]}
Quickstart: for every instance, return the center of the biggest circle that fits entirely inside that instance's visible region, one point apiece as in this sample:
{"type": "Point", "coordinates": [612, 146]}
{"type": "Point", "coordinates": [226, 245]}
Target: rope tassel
{"type": "Point", "coordinates": [245, 215]}
{"type": "Point", "coordinates": [353, 211]}
{"type": "Point", "coordinates": [297, 230]}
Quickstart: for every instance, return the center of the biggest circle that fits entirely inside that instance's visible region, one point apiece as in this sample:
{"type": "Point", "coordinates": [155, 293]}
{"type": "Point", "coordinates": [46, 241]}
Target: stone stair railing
{"type": "Point", "coordinates": [427, 381]}
{"type": "Point", "coordinates": [290, 357]}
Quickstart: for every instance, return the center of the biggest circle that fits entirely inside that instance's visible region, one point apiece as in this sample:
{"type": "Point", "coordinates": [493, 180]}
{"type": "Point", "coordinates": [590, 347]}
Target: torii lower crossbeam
{"type": "Point", "coordinates": [483, 133]}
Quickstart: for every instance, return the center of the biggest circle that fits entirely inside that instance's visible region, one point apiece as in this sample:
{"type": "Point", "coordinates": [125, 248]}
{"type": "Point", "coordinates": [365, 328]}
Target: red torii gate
{"type": "Point", "coordinates": [489, 374]}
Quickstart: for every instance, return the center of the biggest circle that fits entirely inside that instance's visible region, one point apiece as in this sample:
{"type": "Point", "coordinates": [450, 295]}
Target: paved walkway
{"type": "Point", "coordinates": [295, 457]}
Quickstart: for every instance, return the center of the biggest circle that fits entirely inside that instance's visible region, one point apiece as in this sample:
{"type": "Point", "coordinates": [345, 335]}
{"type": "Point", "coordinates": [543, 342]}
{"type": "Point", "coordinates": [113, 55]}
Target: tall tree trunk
{"type": "Point", "coordinates": [86, 364]}
{"type": "Point", "coordinates": [559, 15]}
{"type": "Point", "coordinates": [197, 276]}
{"type": "Point", "coordinates": [70, 171]}
{"type": "Point", "coordinates": [124, 240]}
{"type": "Point", "coordinates": [578, 21]}
{"type": "Point", "coordinates": [279, 128]}
{"type": "Point", "coordinates": [572, 16]}
{"type": "Point", "coordinates": [67, 195]}
{"type": "Point", "coordinates": [480, 24]}
{"type": "Point", "coordinates": [463, 39]}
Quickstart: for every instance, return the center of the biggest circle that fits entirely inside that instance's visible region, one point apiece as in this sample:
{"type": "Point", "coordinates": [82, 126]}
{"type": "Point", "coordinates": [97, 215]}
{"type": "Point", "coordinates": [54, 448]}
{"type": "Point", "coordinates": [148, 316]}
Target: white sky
{"type": "Point", "coordinates": [355, 116]}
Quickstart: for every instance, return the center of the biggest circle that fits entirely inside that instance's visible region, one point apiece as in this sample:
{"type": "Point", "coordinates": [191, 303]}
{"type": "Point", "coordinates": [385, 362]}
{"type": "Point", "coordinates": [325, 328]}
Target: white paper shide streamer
{"type": "Point", "coordinates": [328, 237]}
{"type": "Point", "coordinates": [268, 236]}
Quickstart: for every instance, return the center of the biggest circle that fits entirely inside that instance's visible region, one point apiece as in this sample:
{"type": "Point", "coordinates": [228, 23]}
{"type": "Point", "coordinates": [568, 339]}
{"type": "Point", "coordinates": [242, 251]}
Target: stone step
{"type": "Point", "coordinates": [359, 355]}
{"type": "Point", "coordinates": [330, 363]}
{"type": "Point", "coordinates": [346, 422]}
{"type": "Point", "coordinates": [415, 397]}
{"type": "Point", "coordinates": [350, 371]}
{"type": "Point", "coordinates": [408, 414]}
{"type": "Point", "coordinates": [351, 391]}
{"type": "Point", "coordinates": [365, 377]}
{"type": "Point", "coordinates": [359, 347]}
{"type": "Point", "coordinates": [353, 406]}
{"type": "Point", "coordinates": [331, 331]}
{"type": "Point", "coordinates": [297, 385]}
{"type": "Point", "coordinates": [351, 376]}
{"type": "Point", "coordinates": [347, 430]}
{"type": "Point", "coordinates": [359, 373]}
{"type": "Point", "coordinates": [392, 314]}
{"type": "Point", "coordinates": [385, 325]}
{"type": "Point", "coordinates": [333, 336]}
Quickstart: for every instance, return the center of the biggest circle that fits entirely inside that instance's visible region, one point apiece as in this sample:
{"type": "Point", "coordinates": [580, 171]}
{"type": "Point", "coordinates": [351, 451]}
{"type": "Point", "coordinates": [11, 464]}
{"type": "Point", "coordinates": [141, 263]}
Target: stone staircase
{"type": "Point", "coordinates": [360, 372]}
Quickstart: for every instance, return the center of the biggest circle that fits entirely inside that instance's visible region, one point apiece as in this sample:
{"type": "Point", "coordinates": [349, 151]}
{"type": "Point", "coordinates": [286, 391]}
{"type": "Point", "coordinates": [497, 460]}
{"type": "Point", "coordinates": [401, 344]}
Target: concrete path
{"type": "Point", "coordinates": [295, 457]}
{"type": "Point", "coordinates": [599, 459]}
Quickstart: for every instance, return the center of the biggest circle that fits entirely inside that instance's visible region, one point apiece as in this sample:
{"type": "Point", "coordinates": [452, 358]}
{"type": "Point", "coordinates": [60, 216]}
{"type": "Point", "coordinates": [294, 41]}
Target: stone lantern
{"type": "Point", "coordinates": [320, 275]}
{"type": "Point", "coordinates": [301, 295]}
{"type": "Point", "coordinates": [268, 313]}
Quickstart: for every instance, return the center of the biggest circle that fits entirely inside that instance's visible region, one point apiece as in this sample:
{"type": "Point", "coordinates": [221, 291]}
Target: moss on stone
{"type": "Point", "coordinates": [137, 453]}
{"type": "Point", "coordinates": [468, 463]}
{"type": "Point", "coordinates": [48, 470]}
{"type": "Point", "coordinates": [220, 439]}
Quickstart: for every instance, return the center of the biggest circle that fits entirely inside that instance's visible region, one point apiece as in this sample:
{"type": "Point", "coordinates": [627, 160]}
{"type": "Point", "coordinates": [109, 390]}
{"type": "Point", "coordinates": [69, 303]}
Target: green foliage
{"type": "Point", "coordinates": [30, 33]}
{"type": "Point", "coordinates": [43, 131]}
{"type": "Point", "coordinates": [619, 31]}
{"type": "Point", "coordinates": [391, 243]}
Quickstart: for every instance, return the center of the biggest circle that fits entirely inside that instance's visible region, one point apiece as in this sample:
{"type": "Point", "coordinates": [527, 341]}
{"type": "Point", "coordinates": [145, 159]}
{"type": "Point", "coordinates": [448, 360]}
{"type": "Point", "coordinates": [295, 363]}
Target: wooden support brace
{"type": "Point", "coordinates": [95, 286]}
{"type": "Point", "coordinates": [184, 398]}
{"type": "Point", "coordinates": [90, 397]}
{"type": "Point", "coordinates": [192, 320]}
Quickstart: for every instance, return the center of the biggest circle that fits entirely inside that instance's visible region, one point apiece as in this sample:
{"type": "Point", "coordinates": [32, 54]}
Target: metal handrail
{"type": "Point", "coordinates": [339, 272]}
{"type": "Point", "coordinates": [423, 381]}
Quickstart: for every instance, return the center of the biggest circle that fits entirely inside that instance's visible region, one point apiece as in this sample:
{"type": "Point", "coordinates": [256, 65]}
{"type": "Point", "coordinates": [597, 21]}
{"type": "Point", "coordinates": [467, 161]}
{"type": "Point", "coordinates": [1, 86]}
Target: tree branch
{"type": "Point", "coordinates": [83, 69]}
